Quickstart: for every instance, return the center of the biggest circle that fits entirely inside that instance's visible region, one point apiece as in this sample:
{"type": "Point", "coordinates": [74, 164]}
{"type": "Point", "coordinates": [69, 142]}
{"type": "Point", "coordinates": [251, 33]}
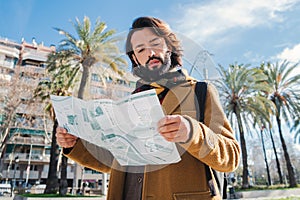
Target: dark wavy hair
{"type": "Point", "coordinates": [161, 29]}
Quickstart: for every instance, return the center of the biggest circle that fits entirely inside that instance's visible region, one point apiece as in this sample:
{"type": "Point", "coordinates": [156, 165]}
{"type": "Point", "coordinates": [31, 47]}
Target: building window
{"type": "Point", "coordinates": [33, 168]}
{"type": "Point", "coordinates": [95, 77]}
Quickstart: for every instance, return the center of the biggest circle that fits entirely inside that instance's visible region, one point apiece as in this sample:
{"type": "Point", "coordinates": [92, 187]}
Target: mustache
{"type": "Point", "coordinates": [154, 57]}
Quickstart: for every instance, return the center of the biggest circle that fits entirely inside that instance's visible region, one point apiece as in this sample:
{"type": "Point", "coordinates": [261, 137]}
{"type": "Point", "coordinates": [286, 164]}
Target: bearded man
{"type": "Point", "coordinates": [156, 56]}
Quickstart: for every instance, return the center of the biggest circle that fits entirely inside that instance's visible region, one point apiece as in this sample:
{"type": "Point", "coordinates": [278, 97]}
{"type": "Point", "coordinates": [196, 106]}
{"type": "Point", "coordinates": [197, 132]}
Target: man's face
{"type": "Point", "coordinates": [149, 49]}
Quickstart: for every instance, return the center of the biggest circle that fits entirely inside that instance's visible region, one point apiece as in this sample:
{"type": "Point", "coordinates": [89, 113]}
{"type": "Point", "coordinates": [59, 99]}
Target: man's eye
{"type": "Point", "coordinates": [155, 44]}
{"type": "Point", "coordinates": [140, 50]}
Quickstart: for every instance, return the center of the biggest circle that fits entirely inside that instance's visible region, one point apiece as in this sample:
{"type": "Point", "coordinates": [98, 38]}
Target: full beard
{"type": "Point", "coordinates": [152, 75]}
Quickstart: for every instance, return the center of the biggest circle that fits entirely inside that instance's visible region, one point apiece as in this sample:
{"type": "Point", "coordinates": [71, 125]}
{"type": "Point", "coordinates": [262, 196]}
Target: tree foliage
{"type": "Point", "coordinates": [239, 87]}
{"type": "Point", "coordinates": [71, 65]}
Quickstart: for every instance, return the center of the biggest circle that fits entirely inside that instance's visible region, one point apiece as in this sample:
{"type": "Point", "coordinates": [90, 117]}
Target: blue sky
{"type": "Point", "coordinates": [231, 31]}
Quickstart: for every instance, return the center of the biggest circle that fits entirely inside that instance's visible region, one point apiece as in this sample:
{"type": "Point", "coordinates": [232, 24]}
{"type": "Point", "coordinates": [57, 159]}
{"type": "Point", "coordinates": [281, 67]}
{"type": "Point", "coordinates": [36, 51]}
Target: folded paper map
{"type": "Point", "coordinates": [127, 127]}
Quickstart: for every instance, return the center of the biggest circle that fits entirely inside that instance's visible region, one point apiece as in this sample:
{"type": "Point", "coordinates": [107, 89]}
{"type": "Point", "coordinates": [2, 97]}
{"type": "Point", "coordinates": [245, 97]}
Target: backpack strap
{"type": "Point", "coordinates": [200, 91]}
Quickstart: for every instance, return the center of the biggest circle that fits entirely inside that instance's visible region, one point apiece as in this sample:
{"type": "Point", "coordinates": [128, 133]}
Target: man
{"type": "Point", "coordinates": [155, 53]}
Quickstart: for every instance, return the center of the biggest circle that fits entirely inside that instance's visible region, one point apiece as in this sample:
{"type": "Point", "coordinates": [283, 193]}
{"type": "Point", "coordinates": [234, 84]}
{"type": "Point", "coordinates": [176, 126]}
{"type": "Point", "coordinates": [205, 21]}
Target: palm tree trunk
{"type": "Point", "coordinates": [84, 82]}
{"type": "Point", "coordinates": [63, 185]}
{"type": "Point", "coordinates": [291, 174]}
{"type": "Point", "coordinates": [277, 160]}
{"type": "Point", "coordinates": [245, 183]}
{"type": "Point", "coordinates": [265, 156]}
{"type": "Point", "coordinates": [82, 89]}
{"type": "Point", "coordinates": [52, 181]}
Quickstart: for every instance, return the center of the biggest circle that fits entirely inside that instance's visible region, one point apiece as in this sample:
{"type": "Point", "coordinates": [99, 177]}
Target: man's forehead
{"type": "Point", "coordinates": [142, 36]}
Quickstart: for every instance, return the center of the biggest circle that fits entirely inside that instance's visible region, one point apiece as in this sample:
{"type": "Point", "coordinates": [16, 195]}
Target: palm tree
{"type": "Point", "coordinates": [72, 63]}
{"type": "Point", "coordinates": [269, 126]}
{"type": "Point", "coordinates": [265, 156]}
{"type": "Point", "coordinates": [238, 86]}
{"type": "Point", "coordinates": [91, 47]}
{"type": "Point", "coordinates": [263, 121]}
{"type": "Point", "coordinates": [296, 128]}
{"type": "Point", "coordinates": [285, 96]}
{"type": "Point", "coordinates": [276, 157]}
{"type": "Point", "coordinates": [58, 84]}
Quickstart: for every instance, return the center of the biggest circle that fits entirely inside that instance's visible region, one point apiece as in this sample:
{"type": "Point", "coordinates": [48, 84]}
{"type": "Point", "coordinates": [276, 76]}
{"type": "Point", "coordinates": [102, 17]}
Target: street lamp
{"type": "Point", "coordinates": [14, 178]}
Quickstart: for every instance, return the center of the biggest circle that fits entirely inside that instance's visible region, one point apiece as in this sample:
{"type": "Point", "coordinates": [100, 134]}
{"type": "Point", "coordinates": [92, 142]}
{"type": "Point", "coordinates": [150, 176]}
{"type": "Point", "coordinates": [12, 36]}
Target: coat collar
{"type": "Point", "coordinates": [175, 96]}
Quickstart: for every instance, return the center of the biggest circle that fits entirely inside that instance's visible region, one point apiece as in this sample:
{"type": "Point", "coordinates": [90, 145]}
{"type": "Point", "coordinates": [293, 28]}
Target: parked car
{"type": "Point", "coordinates": [37, 189]}
{"type": "Point", "coordinates": [5, 189]}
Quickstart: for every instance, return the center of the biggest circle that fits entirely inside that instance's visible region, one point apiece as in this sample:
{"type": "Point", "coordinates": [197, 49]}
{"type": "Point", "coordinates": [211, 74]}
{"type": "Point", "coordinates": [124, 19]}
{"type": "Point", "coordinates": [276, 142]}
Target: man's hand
{"type": "Point", "coordinates": [174, 128]}
{"type": "Point", "coordinates": [65, 139]}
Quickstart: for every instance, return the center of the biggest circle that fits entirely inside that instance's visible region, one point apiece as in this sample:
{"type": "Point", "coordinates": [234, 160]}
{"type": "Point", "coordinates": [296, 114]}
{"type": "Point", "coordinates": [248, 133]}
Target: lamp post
{"type": "Point", "coordinates": [14, 177]}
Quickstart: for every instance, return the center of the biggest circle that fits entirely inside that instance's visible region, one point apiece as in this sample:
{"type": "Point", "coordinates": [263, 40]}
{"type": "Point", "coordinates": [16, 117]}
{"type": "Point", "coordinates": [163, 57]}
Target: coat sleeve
{"type": "Point", "coordinates": [91, 156]}
{"type": "Point", "coordinates": [213, 142]}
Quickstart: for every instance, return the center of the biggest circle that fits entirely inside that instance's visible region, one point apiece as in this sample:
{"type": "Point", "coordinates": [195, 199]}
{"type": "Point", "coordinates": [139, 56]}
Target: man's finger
{"type": "Point", "coordinates": [169, 119]}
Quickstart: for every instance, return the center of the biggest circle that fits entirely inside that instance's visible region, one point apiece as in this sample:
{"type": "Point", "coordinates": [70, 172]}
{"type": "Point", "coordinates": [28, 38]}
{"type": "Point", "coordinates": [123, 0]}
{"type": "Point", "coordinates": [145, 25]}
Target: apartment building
{"type": "Point", "coordinates": [25, 128]}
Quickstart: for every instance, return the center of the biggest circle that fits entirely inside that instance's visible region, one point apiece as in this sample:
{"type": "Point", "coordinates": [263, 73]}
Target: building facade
{"type": "Point", "coordinates": [25, 127]}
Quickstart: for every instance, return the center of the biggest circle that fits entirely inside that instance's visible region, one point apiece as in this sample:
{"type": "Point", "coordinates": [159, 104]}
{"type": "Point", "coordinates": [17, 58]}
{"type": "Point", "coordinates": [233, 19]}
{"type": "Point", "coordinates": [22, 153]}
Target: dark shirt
{"type": "Point", "coordinates": [133, 186]}
{"type": "Point", "coordinates": [134, 178]}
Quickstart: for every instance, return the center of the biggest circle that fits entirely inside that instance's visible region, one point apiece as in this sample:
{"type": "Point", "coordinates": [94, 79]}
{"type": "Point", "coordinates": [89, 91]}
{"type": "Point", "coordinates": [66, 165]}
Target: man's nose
{"type": "Point", "coordinates": [151, 52]}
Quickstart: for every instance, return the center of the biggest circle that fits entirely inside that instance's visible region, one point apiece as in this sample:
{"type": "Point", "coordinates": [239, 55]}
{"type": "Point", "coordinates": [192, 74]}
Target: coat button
{"type": "Point", "coordinates": [140, 179]}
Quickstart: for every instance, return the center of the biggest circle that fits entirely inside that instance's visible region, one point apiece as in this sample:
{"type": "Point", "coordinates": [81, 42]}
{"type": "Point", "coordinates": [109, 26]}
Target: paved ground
{"type": "Point", "coordinates": [83, 198]}
{"type": "Point", "coordinates": [88, 198]}
{"type": "Point", "coordinates": [257, 194]}
{"type": "Point", "coordinates": [269, 194]}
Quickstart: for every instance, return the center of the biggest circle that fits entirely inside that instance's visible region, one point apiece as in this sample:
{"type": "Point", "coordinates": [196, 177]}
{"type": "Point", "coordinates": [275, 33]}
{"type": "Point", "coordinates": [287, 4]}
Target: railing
{"type": "Point", "coordinates": [34, 54]}
{"type": "Point", "coordinates": [7, 64]}
{"type": "Point", "coordinates": [34, 157]}
{"type": "Point", "coordinates": [32, 69]}
{"type": "Point", "coordinates": [32, 174]}
{"type": "Point", "coordinates": [18, 175]}
{"type": "Point", "coordinates": [32, 126]}
{"type": "Point", "coordinates": [31, 140]}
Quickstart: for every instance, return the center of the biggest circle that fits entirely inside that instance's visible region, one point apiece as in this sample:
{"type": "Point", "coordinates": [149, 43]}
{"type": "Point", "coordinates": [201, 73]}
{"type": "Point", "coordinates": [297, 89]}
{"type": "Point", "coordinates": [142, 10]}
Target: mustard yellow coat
{"type": "Point", "coordinates": [212, 143]}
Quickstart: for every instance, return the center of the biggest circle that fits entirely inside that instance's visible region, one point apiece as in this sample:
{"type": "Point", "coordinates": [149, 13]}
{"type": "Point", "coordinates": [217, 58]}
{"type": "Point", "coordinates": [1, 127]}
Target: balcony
{"type": "Point", "coordinates": [7, 64]}
{"type": "Point", "coordinates": [36, 124]}
{"type": "Point", "coordinates": [22, 174]}
{"type": "Point", "coordinates": [9, 50]}
{"type": "Point", "coordinates": [24, 158]}
{"type": "Point", "coordinates": [32, 54]}
{"type": "Point", "coordinates": [28, 140]}
{"type": "Point", "coordinates": [31, 69]}
{"type": "Point", "coordinates": [5, 78]}
{"type": "Point", "coordinates": [32, 174]}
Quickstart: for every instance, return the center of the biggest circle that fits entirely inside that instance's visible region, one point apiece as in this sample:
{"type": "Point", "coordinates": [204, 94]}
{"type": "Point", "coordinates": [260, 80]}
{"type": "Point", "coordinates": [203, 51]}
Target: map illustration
{"type": "Point", "coordinates": [127, 127]}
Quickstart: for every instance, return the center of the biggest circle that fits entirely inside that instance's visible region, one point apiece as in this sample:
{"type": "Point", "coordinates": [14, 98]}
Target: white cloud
{"type": "Point", "coordinates": [206, 21]}
{"type": "Point", "coordinates": [290, 54]}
